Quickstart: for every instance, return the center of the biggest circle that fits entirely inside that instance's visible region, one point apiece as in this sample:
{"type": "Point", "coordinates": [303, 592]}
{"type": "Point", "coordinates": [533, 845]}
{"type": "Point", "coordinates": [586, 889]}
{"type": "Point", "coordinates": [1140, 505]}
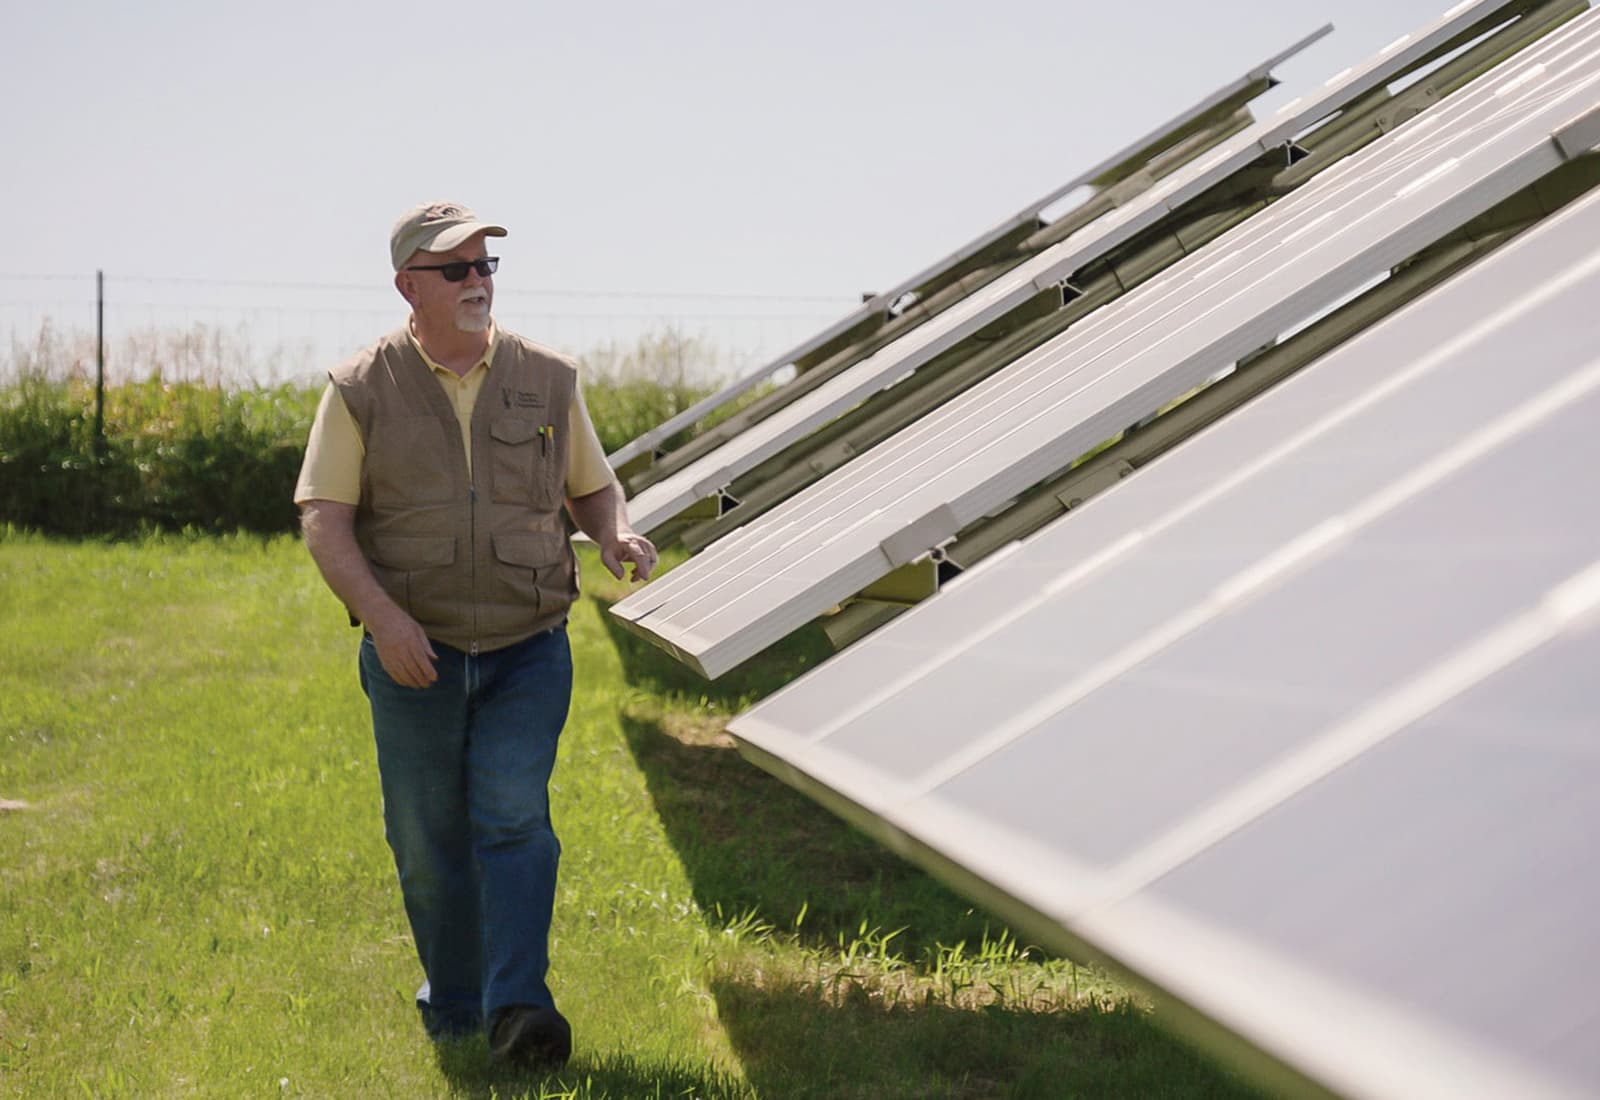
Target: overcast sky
{"type": "Point", "coordinates": [808, 151]}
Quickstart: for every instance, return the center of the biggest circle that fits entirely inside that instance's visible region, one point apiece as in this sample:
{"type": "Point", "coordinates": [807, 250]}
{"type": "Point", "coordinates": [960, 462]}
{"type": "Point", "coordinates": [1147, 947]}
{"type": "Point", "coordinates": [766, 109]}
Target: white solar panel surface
{"type": "Point", "coordinates": [1300, 722]}
{"type": "Point", "coordinates": [1125, 361]}
{"type": "Point", "coordinates": [881, 302]}
{"type": "Point", "coordinates": [715, 471]}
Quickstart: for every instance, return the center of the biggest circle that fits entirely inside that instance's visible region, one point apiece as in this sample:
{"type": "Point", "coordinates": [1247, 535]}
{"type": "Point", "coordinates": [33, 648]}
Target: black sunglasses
{"type": "Point", "coordinates": [456, 270]}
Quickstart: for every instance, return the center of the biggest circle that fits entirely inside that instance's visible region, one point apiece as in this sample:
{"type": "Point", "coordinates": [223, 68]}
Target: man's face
{"type": "Point", "coordinates": [440, 304]}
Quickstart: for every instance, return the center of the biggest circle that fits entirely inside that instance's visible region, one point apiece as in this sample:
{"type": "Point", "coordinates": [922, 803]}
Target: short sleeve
{"type": "Point", "coordinates": [334, 453]}
{"type": "Point", "coordinates": [587, 468]}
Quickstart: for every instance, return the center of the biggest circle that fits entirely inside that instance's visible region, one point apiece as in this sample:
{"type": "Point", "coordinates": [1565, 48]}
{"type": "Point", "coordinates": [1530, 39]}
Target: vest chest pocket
{"type": "Point", "coordinates": [525, 467]}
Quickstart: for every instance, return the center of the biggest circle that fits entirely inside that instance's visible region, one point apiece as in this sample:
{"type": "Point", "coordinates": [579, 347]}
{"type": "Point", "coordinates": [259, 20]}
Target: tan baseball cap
{"type": "Point", "coordinates": [435, 227]}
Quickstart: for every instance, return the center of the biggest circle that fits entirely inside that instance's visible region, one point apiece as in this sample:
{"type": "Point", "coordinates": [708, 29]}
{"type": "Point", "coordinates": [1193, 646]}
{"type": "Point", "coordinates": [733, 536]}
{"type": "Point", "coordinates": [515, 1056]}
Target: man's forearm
{"type": "Point", "coordinates": [601, 515]}
{"type": "Point", "coordinates": [403, 647]}
{"type": "Point", "coordinates": [330, 537]}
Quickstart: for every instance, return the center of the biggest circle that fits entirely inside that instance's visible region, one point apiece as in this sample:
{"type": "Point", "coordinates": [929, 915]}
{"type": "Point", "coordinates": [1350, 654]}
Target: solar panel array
{"type": "Point", "coordinates": [1296, 725]}
{"type": "Point", "coordinates": [1138, 151]}
{"type": "Point", "coordinates": [1348, 225]}
{"type": "Point", "coordinates": [1299, 723]}
{"type": "Point", "coordinates": [713, 472]}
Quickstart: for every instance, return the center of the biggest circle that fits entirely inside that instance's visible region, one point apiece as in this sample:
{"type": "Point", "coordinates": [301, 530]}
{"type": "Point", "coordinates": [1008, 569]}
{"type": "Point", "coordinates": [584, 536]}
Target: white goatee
{"type": "Point", "coordinates": [472, 320]}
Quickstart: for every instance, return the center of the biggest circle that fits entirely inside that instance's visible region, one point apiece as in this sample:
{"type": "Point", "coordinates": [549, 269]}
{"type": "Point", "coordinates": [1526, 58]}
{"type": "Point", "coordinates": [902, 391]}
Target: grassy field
{"type": "Point", "coordinates": [197, 899]}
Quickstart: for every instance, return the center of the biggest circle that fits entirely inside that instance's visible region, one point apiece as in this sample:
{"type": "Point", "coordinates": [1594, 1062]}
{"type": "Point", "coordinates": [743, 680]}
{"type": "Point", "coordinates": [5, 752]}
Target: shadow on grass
{"type": "Point", "coordinates": [752, 845]}
{"type": "Point", "coordinates": [472, 1075]}
{"type": "Point", "coordinates": [797, 1043]}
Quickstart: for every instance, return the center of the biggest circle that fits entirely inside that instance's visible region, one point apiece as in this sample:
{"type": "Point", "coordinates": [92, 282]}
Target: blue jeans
{"type": "Point", "coordinates": [465, 766]}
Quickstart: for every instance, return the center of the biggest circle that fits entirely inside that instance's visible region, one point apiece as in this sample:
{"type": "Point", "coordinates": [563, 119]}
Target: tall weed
{"type": "Point", "coordinates": [630, 390]}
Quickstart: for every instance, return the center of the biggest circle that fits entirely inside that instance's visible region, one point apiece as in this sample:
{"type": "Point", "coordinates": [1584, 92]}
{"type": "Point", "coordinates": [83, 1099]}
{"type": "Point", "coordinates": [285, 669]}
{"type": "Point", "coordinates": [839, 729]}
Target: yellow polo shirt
{"type": "Point", "coordinates": [334, 452]}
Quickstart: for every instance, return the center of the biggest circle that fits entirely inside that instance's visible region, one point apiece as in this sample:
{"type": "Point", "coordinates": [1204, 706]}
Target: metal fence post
{"type": "Point", "coordinates": [99, 394]}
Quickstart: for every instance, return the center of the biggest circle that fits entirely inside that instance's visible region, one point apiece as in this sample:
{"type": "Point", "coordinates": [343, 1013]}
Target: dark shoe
{"type": "Point", "coordinates": [531, 1036]}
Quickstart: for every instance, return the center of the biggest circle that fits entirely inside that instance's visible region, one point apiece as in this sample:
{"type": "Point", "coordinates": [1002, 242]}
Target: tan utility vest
{"type": "Point", "coordinates": [481, 561]}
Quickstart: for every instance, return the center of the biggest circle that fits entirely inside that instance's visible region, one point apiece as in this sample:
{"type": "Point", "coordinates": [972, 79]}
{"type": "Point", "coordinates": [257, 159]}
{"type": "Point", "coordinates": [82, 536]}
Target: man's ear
{"type": "Point", "coordinates": [406, 284]}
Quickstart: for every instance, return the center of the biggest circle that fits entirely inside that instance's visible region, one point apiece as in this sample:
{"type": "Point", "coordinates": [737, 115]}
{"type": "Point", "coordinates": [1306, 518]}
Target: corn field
{"type": "Point", "coordinates": [183, 450]}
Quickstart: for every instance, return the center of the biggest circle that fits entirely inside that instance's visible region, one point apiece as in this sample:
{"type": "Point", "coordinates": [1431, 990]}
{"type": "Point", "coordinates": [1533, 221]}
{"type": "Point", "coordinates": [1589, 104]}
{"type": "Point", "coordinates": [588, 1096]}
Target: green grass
{"type": "Point", "coordinates": [198, 900]}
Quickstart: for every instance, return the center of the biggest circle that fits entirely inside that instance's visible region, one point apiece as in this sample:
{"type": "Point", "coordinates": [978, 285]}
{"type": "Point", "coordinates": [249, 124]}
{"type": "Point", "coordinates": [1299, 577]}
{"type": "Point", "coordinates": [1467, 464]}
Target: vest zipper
{"type": "Point", "coordinates": [472, 502]}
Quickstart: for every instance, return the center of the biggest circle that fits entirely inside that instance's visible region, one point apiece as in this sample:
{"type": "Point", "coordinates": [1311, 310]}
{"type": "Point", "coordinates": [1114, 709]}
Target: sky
{"type": "Point", "coordinates": [747, 169]}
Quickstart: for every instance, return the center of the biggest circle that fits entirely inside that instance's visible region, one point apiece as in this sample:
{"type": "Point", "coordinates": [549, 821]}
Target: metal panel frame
{"type": "Point", "coordinates": [1251, 1004]}
{"type": "Point", "coordinates": [1448, 197]}
{"type": "Point", "coordinates": [1044, 273]}
{"type": "Point", "coordinates": [1104, 174]}
{"type": "Point", "coordinates": [811, 457]}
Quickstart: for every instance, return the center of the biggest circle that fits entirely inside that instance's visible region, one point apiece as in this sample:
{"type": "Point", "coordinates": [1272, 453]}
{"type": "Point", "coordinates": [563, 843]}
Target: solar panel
{"type": "Point", "coordinates": [1256, 80]}
{"type": "Point", "coordinates": [1350, 224]}
{"type": "Point", "coordinates": [1297, 724]}
{"type": "Point", "coordinates": [710, 473]}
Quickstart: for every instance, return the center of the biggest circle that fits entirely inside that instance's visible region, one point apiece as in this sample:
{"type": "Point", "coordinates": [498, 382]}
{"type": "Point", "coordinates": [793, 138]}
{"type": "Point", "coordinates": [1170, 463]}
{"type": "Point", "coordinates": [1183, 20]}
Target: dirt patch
{"type": "Point", "coordinates": [693, 730]}
{"type": "Point", "coordinates": [701, 731]}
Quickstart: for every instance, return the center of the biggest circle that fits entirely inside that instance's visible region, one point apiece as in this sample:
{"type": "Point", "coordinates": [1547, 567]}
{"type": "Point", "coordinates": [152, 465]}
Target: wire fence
{"type": "Point", "coordinates": [247, 332]}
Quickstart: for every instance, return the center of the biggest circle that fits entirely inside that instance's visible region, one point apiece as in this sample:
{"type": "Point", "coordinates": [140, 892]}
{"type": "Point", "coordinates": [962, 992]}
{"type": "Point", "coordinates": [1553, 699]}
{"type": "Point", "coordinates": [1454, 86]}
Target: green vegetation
{"type": "Point", "coordinates": [181, 450]}
{"type": "Point", "coordinates": [176, 455]}
{"type": "Point", "coordinates": [197, 900]}
{"type": "Point", "coordinates": [630, 390]}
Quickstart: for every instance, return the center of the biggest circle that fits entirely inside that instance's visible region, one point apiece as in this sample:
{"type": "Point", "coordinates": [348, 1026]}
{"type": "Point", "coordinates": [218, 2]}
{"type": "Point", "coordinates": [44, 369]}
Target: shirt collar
{"type": "Point", "coordinates": [488, 350]}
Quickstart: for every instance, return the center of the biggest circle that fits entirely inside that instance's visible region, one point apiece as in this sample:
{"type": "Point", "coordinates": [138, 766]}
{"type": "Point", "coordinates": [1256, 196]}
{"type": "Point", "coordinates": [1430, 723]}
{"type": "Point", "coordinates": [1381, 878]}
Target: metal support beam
{"type": "Point", "coordinates": [1272, 364]}
{"type": "Point", "coordinates": [1113, 183]}
{"type": "Point", "coordinates": [1191, 226]}
{"type": "Point", "coordinates": [1253, 375]}
{"type": "Point", "coordinates": [857, 619]}
{"type": "Point", "coordinates": [884, 413]}
{"type": "Point", "coordinates": [1505, 34]}
{"type": "Point", "coordinates": [910, 584]}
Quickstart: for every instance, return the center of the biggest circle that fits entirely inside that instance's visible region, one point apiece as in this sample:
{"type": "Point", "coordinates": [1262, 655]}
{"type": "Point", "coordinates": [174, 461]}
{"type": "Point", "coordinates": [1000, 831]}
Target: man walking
{"type": "Point", "coordinates": [431, 501]}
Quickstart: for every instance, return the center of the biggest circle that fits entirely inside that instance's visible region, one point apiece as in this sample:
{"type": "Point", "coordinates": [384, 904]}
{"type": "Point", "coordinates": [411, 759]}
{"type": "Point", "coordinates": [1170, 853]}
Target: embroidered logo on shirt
{"type": "Point", "coordinates": [522, 398]}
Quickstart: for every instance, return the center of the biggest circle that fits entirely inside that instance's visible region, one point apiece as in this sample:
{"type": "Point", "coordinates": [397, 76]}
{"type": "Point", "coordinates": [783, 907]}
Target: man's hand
{"type": "Point", "coordinates": [603, 516]}
{"type": "Point", "coordinates": [404, 650]}
{"type": "Point", "coordinates": [629, 547]}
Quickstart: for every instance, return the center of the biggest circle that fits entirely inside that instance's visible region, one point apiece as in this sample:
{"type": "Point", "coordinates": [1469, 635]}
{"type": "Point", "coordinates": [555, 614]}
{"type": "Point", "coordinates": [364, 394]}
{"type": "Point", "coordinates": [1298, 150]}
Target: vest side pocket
{"type": "Point", "coordinates": [522, 559]}
{"type": "Point", "coordinates": [523, 462]}
{"type": "Point", "coordinates": [397, 558]}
